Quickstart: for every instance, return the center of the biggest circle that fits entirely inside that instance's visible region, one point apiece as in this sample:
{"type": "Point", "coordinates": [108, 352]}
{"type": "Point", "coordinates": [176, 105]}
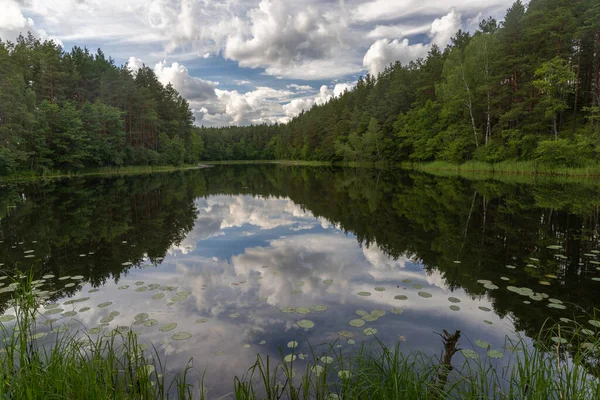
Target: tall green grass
{"type": "Point", "coordinates": [77, 366]}
{"type": "Point", "coordinates": [563, 362]}
{"type": "Point", "coordinates": [505, 167]}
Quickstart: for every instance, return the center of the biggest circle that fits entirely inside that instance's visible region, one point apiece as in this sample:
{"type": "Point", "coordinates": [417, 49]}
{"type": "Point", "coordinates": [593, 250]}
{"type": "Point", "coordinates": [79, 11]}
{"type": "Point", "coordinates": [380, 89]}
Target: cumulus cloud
{"type": "Point", "coordinates": [192, 88]}
{"type": "Point", "coordinates": [395, 31]}
{"type": "Point", "coordinates": [13, 23]}
{"type": "Point", "coordinates": [384, 51]}
{"type": "Point", "coordinates": [134, 64]}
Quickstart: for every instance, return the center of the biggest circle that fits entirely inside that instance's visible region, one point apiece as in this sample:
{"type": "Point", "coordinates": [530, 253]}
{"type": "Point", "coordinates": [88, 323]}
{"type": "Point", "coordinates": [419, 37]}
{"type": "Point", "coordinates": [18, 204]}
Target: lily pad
{"type": "Point", "coordinates": [318, 308]}
{"type": "Point", "coordinates": [417, 286]}
{"type": "Point", "coordinates": [557, 306]}
{"type": "Point", "coordinates": [293, 344]}
{"type": "Point", "coordinates": [77, 277]}
{"type": "Point", "coordinates": [305, 323]}
{"type": "Point", "coordinates": [364, 293]}
{"type": "Point", "coordinates": [482, 343]}
{"type": "Point", "coordinates": [150, 322]}
{"type": "Point", "coordinates": [262, 342]}
{"type": "Point", "coordinates": [317, 369]}
{"type": "Point", "coordinates": [246, 346]}
{"type": "Point", "coordinates": [326, 359]}
{"type": "Point", "coordinates": [158, 296]}
{"type": "Point", "coordinates": [470, 354]}
{"type": "Point", "coordinates": [168, 327]}
{"type": "Point", "coordinates": [7, 318]}
{"type": "Point", "coordinates": [104, 305]}
{"type": "Point", "coordinates": [455, 308]}
{"type": "Point", "coordinates": [84, 309]}
{"type": "Point", "coordinates": [201, 320]}
{"type": "Point", "coordinates": [495, 354]}
{"type": "Point", "coordinates": [344, 374]}
{"type": "Point", "coordinates": [302, 310]}
{"type": "Point", "coordinates": [400, 297]}
{"type": "Point", "coordinates": [486, 309]}
{"type": "Point", "coordinates": [234, 315]}
{"type": "Point", "coordinates": [181, 336]}
{"type": "Point", "coordinates": [141, 289]}
{"type": "Point", "coordinates": [362, 313]}
{"type": "Point", "coordinates": [424, 294]}
{"type": "Point", "coordinates": [559, 340]}
{"type": "Point", "coordinates": [287, 310]}
{"type": "Point", "coordinates": [379, 289]}
{"type": "Point", "coordinates": [595, 323]}
{"type": "Point", "coordinates": [289, 358]}
{"type": "Point", "coordinates": [357, 323]}
{"type": "Point", "coordinates": [49, 276]}
{"type": "Point", "coordinates": [453, 300]}
{"type": "Point", "coordinates": [397, 311]}
{"type": "Point", "coordinates": [351, 341]}
{"type": "Point", "coordinates": [141, 317]}
{"type": "Point", "coordinates": [485, 321]}
{"type": "Point", "coordinates": [370, 331]}
{"type": "Point", "coordinates": [328, 281]}
{"type": "Point", "coordinates": [69, 314]}
{"type": "Point", "coordinates": [69, 285]}
{"type": "Point", "coordinates": [107, 319]}
{"type": "Point", "coordinates": [53, 311]}
{"type": "Point", "coordinates": [545, 283]}
{"type": "Point", "coordinates": [123, 287]}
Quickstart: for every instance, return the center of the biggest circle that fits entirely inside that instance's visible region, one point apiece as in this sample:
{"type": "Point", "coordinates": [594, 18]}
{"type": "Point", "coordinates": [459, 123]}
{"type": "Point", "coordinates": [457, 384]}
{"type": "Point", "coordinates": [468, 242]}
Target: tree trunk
{"type": "Point", "coordinates": [576, 91]}
{"type": "Point", "coordinates": [469, 104]}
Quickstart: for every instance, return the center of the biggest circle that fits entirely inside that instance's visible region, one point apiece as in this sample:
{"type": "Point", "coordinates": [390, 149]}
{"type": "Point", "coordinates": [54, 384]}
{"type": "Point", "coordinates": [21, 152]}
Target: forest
{"type": "Point", "coordinates": [525, 88]}
{"type": "Point", "coordinates": [65, 111]}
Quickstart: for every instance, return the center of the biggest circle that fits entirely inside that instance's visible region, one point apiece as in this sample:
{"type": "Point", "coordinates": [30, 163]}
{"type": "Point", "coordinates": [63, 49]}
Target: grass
{"type": "Point", "coordinates": [116, 366]}
{"type": "Point", "coordinates": [131, 170]}
{"type": "Point", "coordinates": [505, 167]}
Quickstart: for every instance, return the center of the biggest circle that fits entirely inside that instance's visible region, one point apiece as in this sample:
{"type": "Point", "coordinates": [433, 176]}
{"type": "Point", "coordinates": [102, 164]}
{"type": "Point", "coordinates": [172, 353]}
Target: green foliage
{"type": "Point", "coordinates": [73, 110]}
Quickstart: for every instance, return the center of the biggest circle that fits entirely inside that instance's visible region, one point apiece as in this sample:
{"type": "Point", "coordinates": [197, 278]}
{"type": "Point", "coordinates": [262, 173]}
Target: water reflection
{"type": "Point", "coordinates": [249, 241]}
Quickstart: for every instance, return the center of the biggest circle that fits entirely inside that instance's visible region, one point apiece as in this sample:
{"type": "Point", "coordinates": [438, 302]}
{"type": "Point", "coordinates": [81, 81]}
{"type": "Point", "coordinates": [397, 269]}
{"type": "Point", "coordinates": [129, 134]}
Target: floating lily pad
{"type": "Point", "coordinates": [343, 374]}
{"type": "Point", "coordinates": [483, 281]}
{"type": "Point", "coordinates": [482, 343]}
{"type": "Point", "coordinates": [84, 309]}
{"type": "Point", "coordinates": [400, 297]}
{"type": "Point", "coordinates": [490, 286]}
{"type": "Point", "coordinates": [424, 294]}
{"type": "Point", "coordinates": [357, 323]}
{"type": "Point", "coordinates": [504, 278]}
{"type": "Point", "coordinates": [181, 336]}
{"type": "Point", "coordinates": [262, 342]}
{"type": "Point", "coordinates": [293, 344]}
{"type": "Point", "coordinates": [141, 317]}
{"type": "Point", "coordinates": [417, 286]}
{"type": "Point", "coordinates": [587, 332]}
{"type": "Point", "coordinates": [168, 327]}
{"type": "Point", "coordinates": [351, 341]}
{"type": "Point", "coordinates": [49, 276]}
{"type": "Point", "coordinates": [299, 283]}
{"type": "Point", "coordinates": [560, 340]}
{"type": "Point", "coordinates": [453, 300]}
{"type": "Point", "coordinates": [511, 267]}
{"type": "Point", "coordinates": [455, 308]}
{"type": "Point", "coordinates": [362, 313]}
{"type": "Point", "coordinates": [158, 296]}
{"type": "Point", "coordinates": [595, 323]}
{"type": "Point", "coordinates": [370, 331]}
{"type": "Point", "coordinates": [326, 359]}
{"type": "Point", "coordinates": [296, 291]}
{"type": "Point", "coordinates": [302, 310]}
{"type": "Point", "coordinates": [545, 283]}
{"type": "Point", "coordinates": [370, 317]}
{"type": "Point", "coordinates": [107, 319]}
{"type": "Point", "coordinates": [153, 286]}
{"type": "Point", "coordinates": [289, 358]}
{"type": "Point", "coordinates": [495, 354]}
{"type": "Point", "coordinates": [485, 321]}
{"type": "Point", "coordinates": [104, 305]}
{"type": "Point", "coordinates": [287, 310]}
{"type": "Point", "coordinates": [555, 301]}
{"type": "Point", "coordinates": [557, 306]}
{"type": "Point", "coordinates": [328, 281]}
{"type": "Point", "coordinates": [201, 320]}
{"type": "Point", "coordinates": [69, 285]}
{"type": "Point", "coordinates": [81, 300]}
{"type": "Point", "coordinates": [150, 322]}
{"type": "Point", "coordinates": [69, 314]}
{"type": "Point", "coordinates": [53, 311]}
{"type": "Point", "coordinates": [364, 293]}
{"type": "Point", "coordinates": [305, 323]}
{"type": "Point", "coordinates": [318, 308]}
{"type": "Point", "coordinates": [60, 329]}
{"type": "Point", "coordinates": [317, 369]}
{"type": "Point", "coordinates": [246, 346]}
{"type": "Point", "coordinates": [486, 309]}
{"type": "Point", "coordinates": [379, 289]}
{"type": "Point", "coordinates": [554, 247]}
{"type": "Point", "coordinates": [234, 315]}
{"type": "Point", "coordinates": [50, 306]}
{"type": "Point", "coordinates": [77, 277]}
{"type": "Point", "coordinates": [470, 354]}
{"type": "Point", "coordinates": [7, 318]}
{"type": "Point", "coordinates": [123, 287]}
{"type": "Point", "coordinates": [397, 311]}
{"type": "Point", "coordinates": [141, 289]}
{"type": "Point", "coordinates": [93, 290]}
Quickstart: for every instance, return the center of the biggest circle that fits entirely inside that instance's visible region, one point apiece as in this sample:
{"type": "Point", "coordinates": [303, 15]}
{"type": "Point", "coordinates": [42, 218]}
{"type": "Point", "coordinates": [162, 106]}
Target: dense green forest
{"type": "Point", "coordinates": [526, 88]}
{"type": "Point", "coordinates": [72, 110]}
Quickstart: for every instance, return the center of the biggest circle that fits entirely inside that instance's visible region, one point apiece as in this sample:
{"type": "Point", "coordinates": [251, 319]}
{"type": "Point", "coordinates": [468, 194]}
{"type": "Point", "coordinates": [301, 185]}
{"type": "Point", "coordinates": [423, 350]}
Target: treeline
{"type": "Point", "coordinates": [527, 88]}
{"type": "Point", "coordinates": [72, 110]}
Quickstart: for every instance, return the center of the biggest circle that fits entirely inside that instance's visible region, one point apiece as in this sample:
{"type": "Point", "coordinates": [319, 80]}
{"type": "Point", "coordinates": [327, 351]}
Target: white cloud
{"type": "Point", "coordinates": [300, 88]}
{"type": "Point", "coordinates": [385, 52]}
{"type": "Point", "coordinates": [296, 106]}
{"type": "Point", "coordinates": [134, 64]}
{"type": "Point", "coordinates": [13, 23]}
{"type": "Point", "coordinates": [396, 31]}
{"type": "Point", "coordinates": [192, 88]}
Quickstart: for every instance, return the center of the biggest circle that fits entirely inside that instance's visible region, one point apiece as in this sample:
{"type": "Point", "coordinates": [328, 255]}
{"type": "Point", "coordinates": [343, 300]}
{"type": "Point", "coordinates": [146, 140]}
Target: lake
{"type": "Point", "coordinates": [237, 256]}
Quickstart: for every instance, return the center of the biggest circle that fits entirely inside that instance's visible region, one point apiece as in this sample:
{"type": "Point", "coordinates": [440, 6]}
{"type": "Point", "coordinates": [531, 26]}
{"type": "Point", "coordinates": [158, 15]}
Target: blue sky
{"type": "Point", "coordinates": [240, 62]}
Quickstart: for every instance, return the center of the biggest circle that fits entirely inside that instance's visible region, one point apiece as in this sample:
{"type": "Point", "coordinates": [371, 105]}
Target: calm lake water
{"type": "Point", "coordinates": [237, 255]}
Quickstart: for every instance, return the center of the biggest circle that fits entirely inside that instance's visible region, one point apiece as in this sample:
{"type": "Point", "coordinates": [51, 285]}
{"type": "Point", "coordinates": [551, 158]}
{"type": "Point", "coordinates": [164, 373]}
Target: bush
{"type": "Point", "coordinates": [563, 153]}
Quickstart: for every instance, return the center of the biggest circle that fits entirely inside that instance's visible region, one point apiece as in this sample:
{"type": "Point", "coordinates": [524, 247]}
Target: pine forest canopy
{"type": "Point", "coordinates": [526, 88]}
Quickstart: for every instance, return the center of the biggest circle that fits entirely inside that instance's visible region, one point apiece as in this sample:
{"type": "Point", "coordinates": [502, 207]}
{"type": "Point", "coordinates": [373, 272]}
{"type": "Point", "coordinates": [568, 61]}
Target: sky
{"type": "Point", "coordinates": [241, 62]}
